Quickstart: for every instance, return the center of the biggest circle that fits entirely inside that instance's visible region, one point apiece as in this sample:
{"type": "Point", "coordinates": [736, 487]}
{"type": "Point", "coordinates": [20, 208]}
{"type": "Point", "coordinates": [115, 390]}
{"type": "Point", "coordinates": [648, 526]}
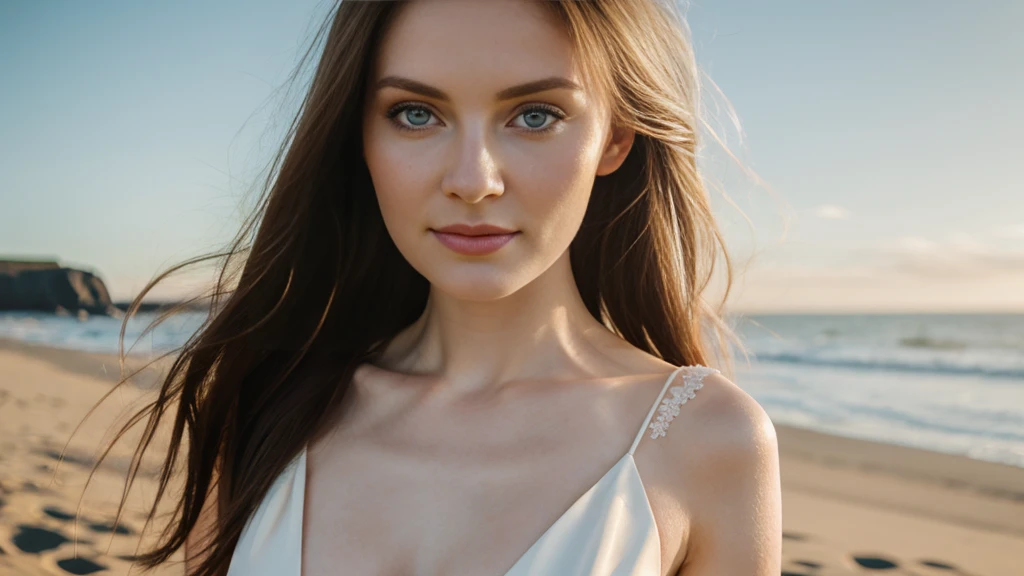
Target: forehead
{"type": "Point", "coordinates": [481, 43]}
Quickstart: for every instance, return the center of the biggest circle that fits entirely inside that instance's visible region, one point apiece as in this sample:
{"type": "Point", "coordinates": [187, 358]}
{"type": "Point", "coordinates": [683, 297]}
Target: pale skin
{"type": "Point", "coordinates": [506, 400]}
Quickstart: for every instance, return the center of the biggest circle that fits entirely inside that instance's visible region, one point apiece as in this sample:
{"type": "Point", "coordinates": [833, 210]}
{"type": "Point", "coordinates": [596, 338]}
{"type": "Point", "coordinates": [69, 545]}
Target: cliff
{"type": "Point", "coordinates": [48, 286]}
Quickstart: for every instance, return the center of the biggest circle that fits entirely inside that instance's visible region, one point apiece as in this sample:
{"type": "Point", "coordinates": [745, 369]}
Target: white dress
{"type": "Point", "coordinates": [608, 531]}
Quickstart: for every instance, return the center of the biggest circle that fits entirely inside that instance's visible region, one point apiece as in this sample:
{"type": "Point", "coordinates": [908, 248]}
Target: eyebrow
{"type": "Point", "coordinates": [552, 83]}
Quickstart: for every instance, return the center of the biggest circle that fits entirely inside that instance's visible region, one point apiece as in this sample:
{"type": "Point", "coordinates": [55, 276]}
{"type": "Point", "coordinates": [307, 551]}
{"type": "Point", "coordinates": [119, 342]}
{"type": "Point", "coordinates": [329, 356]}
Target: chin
{"type": "Point", "coordinates": [484, 284]}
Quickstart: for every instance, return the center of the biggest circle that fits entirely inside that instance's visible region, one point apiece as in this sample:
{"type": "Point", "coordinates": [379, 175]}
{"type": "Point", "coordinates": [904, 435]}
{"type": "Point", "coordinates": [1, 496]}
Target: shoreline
{"type": "Point", "coordinates": [85, 362]}
{"type": "Point", "coordinates": [99, 365]}
{"type": "Point", "coordinates": [843, 498]}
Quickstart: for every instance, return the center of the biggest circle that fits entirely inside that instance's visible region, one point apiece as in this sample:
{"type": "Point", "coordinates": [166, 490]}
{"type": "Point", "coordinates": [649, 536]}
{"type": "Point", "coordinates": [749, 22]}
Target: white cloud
{"type": "Point", "coordinates": [832, 212]}
{"type": "Point", "coordinates": [959, 255]}
{"type": "Point", "coordinates": [867, 290]}
{"type": "Point", "coordinates": [1012, 232]}
{"type": "Point", "coordinates": [952, 272]}
{"type": "Point", "coordinates": [967, 244]}
{"type": "Point", "coordinates": [914, 245]}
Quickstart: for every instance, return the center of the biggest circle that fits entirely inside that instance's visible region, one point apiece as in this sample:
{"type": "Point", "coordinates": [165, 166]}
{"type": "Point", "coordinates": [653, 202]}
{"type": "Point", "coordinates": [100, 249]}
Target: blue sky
{"type": "Point", "coordinates": [886, 133]}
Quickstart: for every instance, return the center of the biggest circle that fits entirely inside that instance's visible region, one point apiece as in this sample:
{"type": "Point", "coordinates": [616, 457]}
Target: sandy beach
{"type": "Point", "coordinates": [849, 506]}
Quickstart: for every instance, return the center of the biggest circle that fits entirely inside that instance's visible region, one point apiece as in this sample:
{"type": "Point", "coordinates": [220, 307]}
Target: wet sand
{"type": "Point", "coordinates": [849, 506]}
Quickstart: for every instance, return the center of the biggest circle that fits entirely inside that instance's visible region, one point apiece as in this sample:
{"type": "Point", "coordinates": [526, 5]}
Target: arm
{"type": "Point", "coordinates": [737, 525]}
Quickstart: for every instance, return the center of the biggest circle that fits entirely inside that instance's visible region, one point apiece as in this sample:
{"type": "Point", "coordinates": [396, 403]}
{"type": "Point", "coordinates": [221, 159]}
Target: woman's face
{"type": "Point", "coordinates": [477, 114]}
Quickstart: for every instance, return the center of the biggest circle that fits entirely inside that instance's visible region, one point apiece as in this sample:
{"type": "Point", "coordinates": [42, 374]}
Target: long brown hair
{"type": "Point", "coordinates": [312, 285]}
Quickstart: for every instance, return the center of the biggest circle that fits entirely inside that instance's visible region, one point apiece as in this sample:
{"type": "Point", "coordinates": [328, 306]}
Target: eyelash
{"type": "Point", "coordinates": [397, 109]}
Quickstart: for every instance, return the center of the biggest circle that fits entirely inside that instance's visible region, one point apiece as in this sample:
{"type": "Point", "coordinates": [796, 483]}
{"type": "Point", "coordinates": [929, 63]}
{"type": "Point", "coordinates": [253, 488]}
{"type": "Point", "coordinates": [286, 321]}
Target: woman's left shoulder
{"type": "Point", "coordinates": [720, 431]}
{"type": "Point", "coordinates": [724, 469]}
{"type": "Point", "coordinates": [729, 423]}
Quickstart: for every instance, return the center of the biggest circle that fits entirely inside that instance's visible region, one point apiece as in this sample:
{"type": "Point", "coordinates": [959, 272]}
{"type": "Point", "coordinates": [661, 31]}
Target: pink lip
{"type": "Point", "coordinates": [475, 245]}
{"type": "Point", "coordinates": [474, 230]}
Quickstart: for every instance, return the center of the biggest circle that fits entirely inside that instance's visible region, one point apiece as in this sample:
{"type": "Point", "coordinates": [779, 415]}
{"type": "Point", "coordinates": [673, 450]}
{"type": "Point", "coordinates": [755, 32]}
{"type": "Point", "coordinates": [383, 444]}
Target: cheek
{"type": "Point", "coordinates": [554, 190]}
{"type": "Point", "coordinates": [401, 179]}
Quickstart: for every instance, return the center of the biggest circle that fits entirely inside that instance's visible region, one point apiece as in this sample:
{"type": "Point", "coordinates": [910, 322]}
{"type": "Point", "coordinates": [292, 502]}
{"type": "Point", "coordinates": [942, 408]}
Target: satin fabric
{"type": "Point", "coordinates": [609, 531]}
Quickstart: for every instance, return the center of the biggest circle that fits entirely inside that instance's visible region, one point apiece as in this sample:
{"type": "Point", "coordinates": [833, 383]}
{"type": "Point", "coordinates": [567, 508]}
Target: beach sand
{"type": "Point", "coordinates": [849, 506]}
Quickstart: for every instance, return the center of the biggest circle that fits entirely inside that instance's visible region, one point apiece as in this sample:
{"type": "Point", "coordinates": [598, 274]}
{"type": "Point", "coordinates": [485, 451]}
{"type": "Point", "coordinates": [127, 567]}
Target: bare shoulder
{"type": "Point", "coordinates": [731, 426]}
{"type": "Point", "coordinates": [729, 480]}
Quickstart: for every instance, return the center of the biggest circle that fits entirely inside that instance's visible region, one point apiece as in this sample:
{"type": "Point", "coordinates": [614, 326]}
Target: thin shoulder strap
{"type": "Point", "coordinates": [650, 414]}
{"type": "Point", "coordinates": [679, 396]}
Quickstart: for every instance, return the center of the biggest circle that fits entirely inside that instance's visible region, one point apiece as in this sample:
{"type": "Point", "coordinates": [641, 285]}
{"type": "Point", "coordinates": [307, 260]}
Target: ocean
{"type": "Point", "coordinates": [952, 383]}
{"type": "Point", "coordinates": [946, 382]}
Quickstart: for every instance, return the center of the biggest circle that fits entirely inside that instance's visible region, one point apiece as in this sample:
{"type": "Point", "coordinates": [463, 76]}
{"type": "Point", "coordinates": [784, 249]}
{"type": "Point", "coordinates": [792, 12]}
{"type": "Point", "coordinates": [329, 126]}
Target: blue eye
{"type": "Point", "coordinates": [418, 117]}
{"type": "Point", "coordinates": [538, 114]}
{"type": "Point", "coordinates": [422, 113]}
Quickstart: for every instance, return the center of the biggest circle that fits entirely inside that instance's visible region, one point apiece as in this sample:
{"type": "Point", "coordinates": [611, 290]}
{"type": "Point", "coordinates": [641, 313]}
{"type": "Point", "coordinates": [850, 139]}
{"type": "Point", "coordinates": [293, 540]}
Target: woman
{"type": "Point", "coordinates": [471, 318]}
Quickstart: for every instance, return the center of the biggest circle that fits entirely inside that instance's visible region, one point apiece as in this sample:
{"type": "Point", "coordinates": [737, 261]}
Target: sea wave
{"type": "Point", "coordinates": [100, 333]}
{"type": "Point", "coordinates": [1012, 367]}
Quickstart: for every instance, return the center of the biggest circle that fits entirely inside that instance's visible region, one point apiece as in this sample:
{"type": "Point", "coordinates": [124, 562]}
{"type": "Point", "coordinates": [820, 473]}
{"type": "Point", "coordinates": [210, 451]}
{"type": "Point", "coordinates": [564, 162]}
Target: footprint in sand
{"type": "Point", "coordinates": [807, 564]}
{"type": "Point", "coordinates": [107, 527]}
{"type": "Point", "coordinates": [57, 513]}
{"type": "Point", "coordinates": [888, 564]}
{"type": "Point", "coordinates": [813, 568]}
{"type": "Point", "coordinates": [33, 488]}
{"type": "Point", "coordinates": [937, 564]}
{"type": "Point", "coordinates": [99, 527]}
{"type": "Point", "coordinates": [945, 567]}
{"type": "Point", "coordinates": [69, 457]}
{"type": "Point", "coordinates": [38, 541]}
{"type": "Point", "coordinates": [34, 540]}
{"type": "Point", "coordinates": [79, 566]}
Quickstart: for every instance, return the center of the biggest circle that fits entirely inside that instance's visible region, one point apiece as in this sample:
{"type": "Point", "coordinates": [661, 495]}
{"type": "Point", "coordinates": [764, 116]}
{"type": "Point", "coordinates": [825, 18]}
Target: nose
{"type": "Point", "coordinates": [474, 174]}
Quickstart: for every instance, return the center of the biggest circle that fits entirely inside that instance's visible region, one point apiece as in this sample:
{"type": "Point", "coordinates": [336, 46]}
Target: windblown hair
{"type": "Point", "coordinates": [312, 285]}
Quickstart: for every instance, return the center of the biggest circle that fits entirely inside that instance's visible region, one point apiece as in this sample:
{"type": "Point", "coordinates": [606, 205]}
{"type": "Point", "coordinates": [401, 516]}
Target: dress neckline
{"type": "Point", "coordinates": [626, 459]}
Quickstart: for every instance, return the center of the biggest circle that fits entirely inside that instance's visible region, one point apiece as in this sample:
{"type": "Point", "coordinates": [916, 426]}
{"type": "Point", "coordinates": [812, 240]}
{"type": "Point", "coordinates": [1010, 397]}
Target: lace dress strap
{"type": "Point", "coordinates": [693, 379]}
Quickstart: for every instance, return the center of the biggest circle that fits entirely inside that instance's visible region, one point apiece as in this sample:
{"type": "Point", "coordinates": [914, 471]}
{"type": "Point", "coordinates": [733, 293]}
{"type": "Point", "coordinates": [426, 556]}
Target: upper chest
{"type": "Point", "coordinates": [468, 493]}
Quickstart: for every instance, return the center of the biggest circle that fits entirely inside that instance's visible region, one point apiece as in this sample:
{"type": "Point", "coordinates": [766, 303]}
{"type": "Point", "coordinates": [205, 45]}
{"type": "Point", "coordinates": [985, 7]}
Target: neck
{"type": "Point", "coordinates": [541, 331]}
